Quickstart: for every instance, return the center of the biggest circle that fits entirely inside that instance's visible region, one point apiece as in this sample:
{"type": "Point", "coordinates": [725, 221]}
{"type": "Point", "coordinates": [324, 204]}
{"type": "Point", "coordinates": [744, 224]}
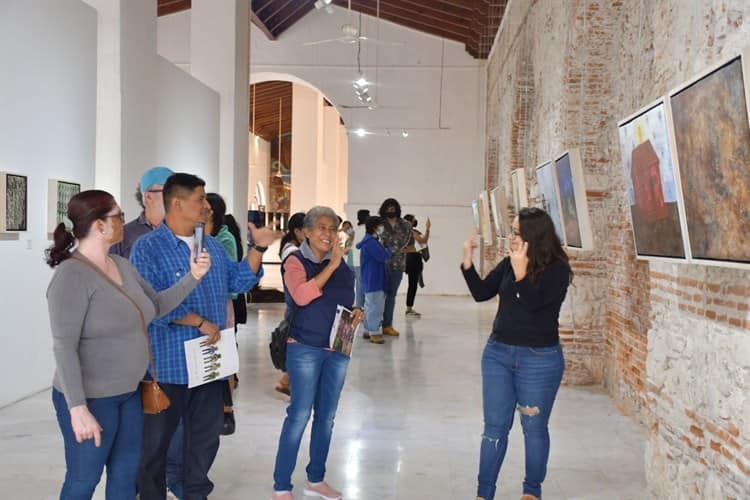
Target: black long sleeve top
{"type": "Point", "coordinates": [528, 312]}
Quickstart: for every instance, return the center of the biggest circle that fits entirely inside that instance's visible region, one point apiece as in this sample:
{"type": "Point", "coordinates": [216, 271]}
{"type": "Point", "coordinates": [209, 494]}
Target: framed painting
{"type": "Point", "coordinates": [475, 214]}
{"type": "Point", "coordinates": [59, 194]}
{"type": "Point", "coordinates": [484, 218]}
{"type": "Point", "coordinates": [499, 207]}
{"type": "Point", "coordinates": [548, 196]}
{"type": "Point", "coordinates": [518, 182]}
{"type": "Point", "coordinates": [574, 210]}
{"type": "Point", "coordinates": [712, 145]}
{"type": "Point", "coordinates": [654, 195]}
{"type": "Point", "coordinates": [14, 190]}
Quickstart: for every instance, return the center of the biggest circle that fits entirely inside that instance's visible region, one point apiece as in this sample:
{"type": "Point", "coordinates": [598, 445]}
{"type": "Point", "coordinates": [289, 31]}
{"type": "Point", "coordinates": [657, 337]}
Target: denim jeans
{"type": "Point", "coordinates": [520, 377]}
{"type": "Point", "coordinates": [316, 377]}
{"type": "Point", "coordinates": [202, 412]}
{"type": "Point", "coordinates": [374, 305]}
{"type": "Point", "coordinates": [392, 283]}
{"type": "Point", "coordinates": [121, 417]}
{"type": "Point", "coordinates": [359, 297]}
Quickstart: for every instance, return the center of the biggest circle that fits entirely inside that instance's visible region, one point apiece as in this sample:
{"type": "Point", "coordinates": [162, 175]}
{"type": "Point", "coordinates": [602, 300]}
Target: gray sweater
{"type": "Point", "coordinates": [99, 345]}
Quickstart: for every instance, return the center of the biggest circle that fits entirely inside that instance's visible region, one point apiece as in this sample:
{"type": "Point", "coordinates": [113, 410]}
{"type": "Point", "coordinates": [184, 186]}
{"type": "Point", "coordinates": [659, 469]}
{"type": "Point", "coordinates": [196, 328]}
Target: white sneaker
{"type": "Point", "coordinates": [321, 490]}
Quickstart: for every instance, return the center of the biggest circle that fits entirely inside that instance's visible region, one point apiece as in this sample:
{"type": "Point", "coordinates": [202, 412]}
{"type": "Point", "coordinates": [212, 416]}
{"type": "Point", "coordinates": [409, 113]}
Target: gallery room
{"type": "Point", "coordinates": [375, 249]}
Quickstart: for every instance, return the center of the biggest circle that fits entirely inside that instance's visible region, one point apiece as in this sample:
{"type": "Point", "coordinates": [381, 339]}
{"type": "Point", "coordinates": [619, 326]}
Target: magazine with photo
{"type": "Point", "coordinates": [343, 331]}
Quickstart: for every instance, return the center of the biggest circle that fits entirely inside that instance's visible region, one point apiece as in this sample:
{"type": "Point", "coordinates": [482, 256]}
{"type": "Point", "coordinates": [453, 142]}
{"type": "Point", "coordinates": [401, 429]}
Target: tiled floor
{"type": "Point", "coordinates": [408, 425]}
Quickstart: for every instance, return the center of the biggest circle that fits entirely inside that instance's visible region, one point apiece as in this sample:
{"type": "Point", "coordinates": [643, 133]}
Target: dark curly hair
{"type": "Point", "coordinates": [538, 231]}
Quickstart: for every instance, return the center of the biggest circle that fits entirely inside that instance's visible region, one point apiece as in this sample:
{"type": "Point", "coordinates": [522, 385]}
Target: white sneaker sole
{"type": "Point", "coordinates": [315, 494]}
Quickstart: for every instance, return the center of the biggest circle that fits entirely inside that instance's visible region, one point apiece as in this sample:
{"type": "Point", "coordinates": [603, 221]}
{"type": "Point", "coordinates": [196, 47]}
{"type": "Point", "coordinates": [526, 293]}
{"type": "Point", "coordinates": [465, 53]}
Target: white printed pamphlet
{"type": "Point", "coordinates": [343, 332]}
{"type": "Point", "coordinates": [206, 363]}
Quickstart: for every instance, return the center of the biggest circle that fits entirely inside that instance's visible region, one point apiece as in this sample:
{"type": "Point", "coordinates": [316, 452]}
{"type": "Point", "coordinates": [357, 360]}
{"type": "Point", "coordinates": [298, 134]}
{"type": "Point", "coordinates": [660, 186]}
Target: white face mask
{"type": "Point", "coordinates": [380, 230]}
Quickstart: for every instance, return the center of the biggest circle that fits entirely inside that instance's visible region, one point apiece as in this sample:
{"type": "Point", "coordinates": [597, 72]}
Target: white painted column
{"type": "Point", "coordinates": [306, 150]}
{"type": "Point", "coordinates": [220, 57]}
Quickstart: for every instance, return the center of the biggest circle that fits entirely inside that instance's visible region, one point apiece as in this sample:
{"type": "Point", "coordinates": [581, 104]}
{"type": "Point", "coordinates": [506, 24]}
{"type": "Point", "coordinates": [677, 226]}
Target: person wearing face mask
{"type": "Point", "coordinates": [522, 363]}
{"type": "Point", "coordinates": [98, 304]}
{"type": "Point", "coordinates": [151, 199]}
{"type": "Point", "coordinates": [414, 264]}
{"type": "Point", "coordinates": [396, 236]}
{"type": "Point", "coordinates": [373, 273]}
{"type": "Point", "coordinates": [347, 241]}
{"type": "Point", "coordinates": [359, 233]}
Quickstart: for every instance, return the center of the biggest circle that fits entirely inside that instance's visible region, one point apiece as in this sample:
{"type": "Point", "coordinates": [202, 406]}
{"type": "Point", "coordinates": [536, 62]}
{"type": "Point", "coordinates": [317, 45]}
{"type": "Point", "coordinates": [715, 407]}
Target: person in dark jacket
{"type": "Point", "coordinates": [317, 282]}
{"type": "Point", "coordinates": [373, 273]}
{"type": "Point", "coordinates": [522, 364]}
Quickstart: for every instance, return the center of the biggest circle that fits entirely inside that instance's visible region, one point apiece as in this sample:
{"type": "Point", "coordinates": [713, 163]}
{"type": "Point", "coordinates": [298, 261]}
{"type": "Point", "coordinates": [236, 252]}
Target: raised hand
{"type": "Point", "coordinates": [337, 252]}
{"type": "Point", "coordinates": [200, 266]}
{"type": "Point", "coordinates": [519, 260]}
{"type": "Point", "coordinates": [469, 245]}
{"type": "Point", "coordinates": [263, 236]}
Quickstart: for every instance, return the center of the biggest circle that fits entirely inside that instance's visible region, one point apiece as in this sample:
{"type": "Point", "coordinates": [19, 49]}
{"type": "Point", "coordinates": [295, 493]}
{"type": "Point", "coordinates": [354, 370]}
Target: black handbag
{"type": "Point", "coordinates": [425, 253]}
{"type": "Point", "coordinates": [280, 335]}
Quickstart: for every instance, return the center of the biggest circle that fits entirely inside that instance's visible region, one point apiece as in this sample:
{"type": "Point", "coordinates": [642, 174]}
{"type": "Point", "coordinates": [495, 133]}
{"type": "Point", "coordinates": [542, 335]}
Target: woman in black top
{"type": "Point", "coordinates": [522, 364]}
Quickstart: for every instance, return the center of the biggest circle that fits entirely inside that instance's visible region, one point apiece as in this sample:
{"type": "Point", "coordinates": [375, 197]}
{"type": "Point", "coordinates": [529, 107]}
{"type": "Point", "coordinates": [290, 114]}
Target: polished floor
{"type": "Point", "coordinates": [408, 425]}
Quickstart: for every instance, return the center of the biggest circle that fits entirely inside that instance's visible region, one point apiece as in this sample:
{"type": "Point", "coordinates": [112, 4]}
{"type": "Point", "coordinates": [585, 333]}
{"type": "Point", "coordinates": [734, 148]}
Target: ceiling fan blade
{"type": "Point", "coordinates": [307, 44]}
{"type": "Point", "coordinates": [380, 42]}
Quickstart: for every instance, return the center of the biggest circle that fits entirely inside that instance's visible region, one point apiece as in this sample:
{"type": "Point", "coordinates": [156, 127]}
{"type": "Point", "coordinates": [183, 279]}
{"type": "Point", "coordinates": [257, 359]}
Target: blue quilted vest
{"type": "Point", "coordinates": [312, 323]}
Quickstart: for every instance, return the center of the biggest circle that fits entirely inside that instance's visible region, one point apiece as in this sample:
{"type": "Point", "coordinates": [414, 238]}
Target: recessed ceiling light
{"type": "Point", "coordinates": [404, 133]}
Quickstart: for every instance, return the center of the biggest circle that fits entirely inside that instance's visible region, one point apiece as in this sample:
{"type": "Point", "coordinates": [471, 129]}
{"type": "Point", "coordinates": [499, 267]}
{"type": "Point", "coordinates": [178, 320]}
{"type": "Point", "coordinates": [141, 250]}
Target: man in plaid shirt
{"type": "Point", "coordinates": [162, 258]}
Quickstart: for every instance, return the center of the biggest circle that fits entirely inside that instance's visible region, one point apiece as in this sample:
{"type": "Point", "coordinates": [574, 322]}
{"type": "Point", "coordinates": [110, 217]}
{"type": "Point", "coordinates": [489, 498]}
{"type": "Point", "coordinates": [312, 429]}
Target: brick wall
{"type": "Point", "coordinates": [671, 342]}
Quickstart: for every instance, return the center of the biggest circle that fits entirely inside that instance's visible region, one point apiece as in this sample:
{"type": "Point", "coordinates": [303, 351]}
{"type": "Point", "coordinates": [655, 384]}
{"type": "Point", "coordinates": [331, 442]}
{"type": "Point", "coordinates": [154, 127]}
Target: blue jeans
{"type": "Point", "coordinates": [121, 417]}
{"type": "Point", "coordinates": [374, 306]}
{"type": "Point", "coordinates": [393, 282]}
{"type": "Point", "coordinates": [359, 297]}
{"type": "Point", "coordinates": [520, 377]}
{"type": "Point", "coordinates": [316, 377]}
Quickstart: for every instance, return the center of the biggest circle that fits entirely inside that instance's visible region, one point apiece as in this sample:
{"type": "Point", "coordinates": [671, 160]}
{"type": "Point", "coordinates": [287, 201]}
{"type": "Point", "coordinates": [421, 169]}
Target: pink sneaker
{"type": "Point", "coordinates": [282, 495]}
{"type": "Point", "coordinates": [321, 490]}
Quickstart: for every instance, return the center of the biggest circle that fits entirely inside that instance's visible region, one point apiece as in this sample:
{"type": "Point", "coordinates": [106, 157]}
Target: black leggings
{"type": "Point", "coordinates": [414, 267]}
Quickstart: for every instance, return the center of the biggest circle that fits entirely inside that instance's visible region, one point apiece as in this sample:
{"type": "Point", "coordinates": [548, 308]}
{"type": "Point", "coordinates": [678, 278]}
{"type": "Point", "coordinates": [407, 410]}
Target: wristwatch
{"type": "Point", "coordinates": [259, 248]}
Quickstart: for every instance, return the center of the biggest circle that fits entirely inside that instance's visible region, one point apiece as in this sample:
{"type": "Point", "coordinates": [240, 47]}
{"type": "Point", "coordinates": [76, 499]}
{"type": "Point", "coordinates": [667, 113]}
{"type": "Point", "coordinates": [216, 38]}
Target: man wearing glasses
{"type": "Point", "coordinates": [149, 196]}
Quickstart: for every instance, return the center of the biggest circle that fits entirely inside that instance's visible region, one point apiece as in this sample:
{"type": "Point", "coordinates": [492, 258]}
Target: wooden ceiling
{"type": "Point", "coordinates": [265, 111]}
{"type": "Point", "coordinates": [471, 22]}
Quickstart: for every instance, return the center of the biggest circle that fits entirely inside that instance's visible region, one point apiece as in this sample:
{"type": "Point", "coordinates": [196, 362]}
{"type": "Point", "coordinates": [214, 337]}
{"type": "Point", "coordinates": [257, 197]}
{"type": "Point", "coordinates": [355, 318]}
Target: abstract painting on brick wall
{"type": "Point", "coordinates": [712, 137]}
{"type": "Point", "coordinates": [548, 199]}
{"type": "Point", "coordinates": [652, 187]}
{"type": "Point", "coordinates": [573, 205]}
{"type": "Point", "coordinates": [475, 215]}
{"type": "Point", "coordinates": [499, 206]}
{"type": "Point", "coordinates": [13, 202]}
{"type": "Point", "coordinates": [518, 182]}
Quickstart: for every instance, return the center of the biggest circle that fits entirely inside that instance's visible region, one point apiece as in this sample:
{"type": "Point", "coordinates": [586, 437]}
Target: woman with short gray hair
{"type": "Point", "coordinates": [315, 283]}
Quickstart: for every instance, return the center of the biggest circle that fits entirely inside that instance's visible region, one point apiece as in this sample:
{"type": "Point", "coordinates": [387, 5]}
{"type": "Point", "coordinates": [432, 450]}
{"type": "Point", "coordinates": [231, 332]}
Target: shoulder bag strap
{"type": "Point", "coordinates": [140, 311]}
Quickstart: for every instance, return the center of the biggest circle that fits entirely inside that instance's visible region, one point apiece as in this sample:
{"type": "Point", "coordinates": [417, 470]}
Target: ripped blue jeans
{"type": "Point", "coordinates": [523, 379]}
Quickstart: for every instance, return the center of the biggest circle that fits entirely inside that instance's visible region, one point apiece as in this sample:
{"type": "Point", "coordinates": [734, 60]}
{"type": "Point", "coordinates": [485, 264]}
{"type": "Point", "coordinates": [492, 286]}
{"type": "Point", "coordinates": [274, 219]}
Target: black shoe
{"type": "Point", "coordinates": [229, 424]}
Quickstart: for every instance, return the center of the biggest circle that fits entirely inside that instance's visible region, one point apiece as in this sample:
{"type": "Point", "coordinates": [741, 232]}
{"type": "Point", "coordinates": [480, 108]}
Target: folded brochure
{"type": "Point", "coordinates": [206, 363]}
{"type": "Point", "coordinates": [343, 331]}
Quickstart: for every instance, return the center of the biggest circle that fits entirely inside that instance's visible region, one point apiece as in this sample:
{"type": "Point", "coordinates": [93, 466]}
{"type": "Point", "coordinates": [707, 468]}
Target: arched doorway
{"type": "Point", "coordinates": [299, 154]}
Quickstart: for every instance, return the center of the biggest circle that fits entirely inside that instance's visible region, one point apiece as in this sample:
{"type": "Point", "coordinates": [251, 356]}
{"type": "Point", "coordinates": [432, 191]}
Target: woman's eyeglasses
{"type": "Point", "coordinates": [120, 215]}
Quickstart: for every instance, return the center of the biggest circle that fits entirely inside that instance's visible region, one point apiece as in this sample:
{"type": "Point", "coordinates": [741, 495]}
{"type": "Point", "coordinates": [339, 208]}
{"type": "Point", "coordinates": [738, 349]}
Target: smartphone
{"type": "Point", "coordinates": [199, 236]}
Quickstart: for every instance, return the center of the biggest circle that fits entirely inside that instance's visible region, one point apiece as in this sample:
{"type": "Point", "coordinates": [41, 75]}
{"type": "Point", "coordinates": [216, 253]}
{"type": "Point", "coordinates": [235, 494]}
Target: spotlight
{"type": "Point", "coordinates": [404, 133]}
{"type": "Point", "coordinates": [361, 82]}
{"type": "Point", "coordinates": [361, 132]}
{"type": "Point", "coordinates": [322, 3]}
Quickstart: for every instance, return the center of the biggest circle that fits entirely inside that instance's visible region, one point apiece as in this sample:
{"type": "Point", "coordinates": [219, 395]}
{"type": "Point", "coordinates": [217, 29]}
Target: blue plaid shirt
{"type": "Point", "coordinates": [163, 259]}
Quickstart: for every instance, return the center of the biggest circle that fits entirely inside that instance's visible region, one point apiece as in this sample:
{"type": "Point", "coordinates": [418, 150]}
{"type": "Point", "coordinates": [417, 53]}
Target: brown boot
{"type": "Point", "coordinates": [282, 385]}
{"type": "Point", "coordinates": [389, 330]}
{"type": "Point", "coordinates": [530, 497]}
{"type": "Point", "coordinates": [376, 338]}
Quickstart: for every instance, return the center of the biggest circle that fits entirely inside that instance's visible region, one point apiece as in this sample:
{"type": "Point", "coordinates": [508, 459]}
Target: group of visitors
{"type": "Point", "coordinates": [125, 297]}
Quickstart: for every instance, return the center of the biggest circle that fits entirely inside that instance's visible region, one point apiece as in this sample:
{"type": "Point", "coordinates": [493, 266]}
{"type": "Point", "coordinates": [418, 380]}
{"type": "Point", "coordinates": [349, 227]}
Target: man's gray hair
{"type": "Point", "coordinates": [315, 213]}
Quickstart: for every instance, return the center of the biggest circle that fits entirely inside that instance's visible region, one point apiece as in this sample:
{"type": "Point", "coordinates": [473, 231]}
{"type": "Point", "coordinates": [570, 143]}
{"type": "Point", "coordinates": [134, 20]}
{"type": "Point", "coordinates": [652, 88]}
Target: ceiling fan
{"type": "Point", "coordinates": [351, 34]}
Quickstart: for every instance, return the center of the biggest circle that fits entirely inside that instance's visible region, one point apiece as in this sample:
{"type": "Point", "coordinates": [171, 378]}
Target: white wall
{"type": "Point", "coordinates": [47, 130]}
{"type": "Point", "coordinates": [435, 172]}
{"type": "Point", "coordinates": [187, 131]}
{"type": "Point", "coordinates": [259, 156]}
{"type": "Point", "coordinates": [307, 133]}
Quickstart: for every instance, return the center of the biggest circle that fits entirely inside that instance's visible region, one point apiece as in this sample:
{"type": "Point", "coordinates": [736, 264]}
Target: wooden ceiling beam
{"type": "Point", "coordinates": [258, 6]}
{"type": "Point", "coordinates": [405, 18]}
{"type": "Point", "coordinates": [166, 7]}
{"type": "Point", "coordinates": [258, 22]}
{"type": "Point", "coordinates": [293, 17]}
{"type": "Point", "coordinates": [399, 8]}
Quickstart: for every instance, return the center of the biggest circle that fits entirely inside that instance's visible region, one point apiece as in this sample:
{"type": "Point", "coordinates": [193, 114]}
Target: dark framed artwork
{"type": "Point", "coordinates": [59, 194]}
{"type": "Point", "coordinates": [574, 210]}
{"type": "Point", "coordinates": [654, 194]}
{"type": "Point", "coordinates": [548, 196]}
{"type": "Point", "coordinates": [13, 202]}
{"type": "Point", "coordinates": [712, 144]}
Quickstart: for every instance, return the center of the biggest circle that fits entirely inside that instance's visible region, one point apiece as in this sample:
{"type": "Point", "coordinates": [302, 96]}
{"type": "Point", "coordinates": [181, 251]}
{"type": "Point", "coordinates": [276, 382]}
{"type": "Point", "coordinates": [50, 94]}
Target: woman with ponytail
{"type": "Point", "coordinates": [97, 305]}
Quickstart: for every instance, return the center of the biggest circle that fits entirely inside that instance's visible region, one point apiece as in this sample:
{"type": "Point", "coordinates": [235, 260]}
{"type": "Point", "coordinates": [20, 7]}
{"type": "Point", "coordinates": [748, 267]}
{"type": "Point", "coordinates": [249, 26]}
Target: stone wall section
{"type": "Point", "coordinates": [670, 342]}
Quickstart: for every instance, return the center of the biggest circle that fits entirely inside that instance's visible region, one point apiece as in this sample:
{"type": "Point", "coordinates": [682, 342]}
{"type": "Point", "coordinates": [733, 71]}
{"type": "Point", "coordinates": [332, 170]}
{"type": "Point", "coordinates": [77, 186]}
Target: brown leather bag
{"type": "Point", "coordinates": [154, 399]}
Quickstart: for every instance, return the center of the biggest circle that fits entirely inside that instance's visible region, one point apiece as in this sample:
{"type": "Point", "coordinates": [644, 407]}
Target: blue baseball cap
{"type": "Point", "coordinates": [156, 175]}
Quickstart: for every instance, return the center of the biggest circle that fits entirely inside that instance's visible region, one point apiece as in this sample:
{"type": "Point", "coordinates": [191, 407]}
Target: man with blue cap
{"type": "Point", "coordinates": [149, 195]}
